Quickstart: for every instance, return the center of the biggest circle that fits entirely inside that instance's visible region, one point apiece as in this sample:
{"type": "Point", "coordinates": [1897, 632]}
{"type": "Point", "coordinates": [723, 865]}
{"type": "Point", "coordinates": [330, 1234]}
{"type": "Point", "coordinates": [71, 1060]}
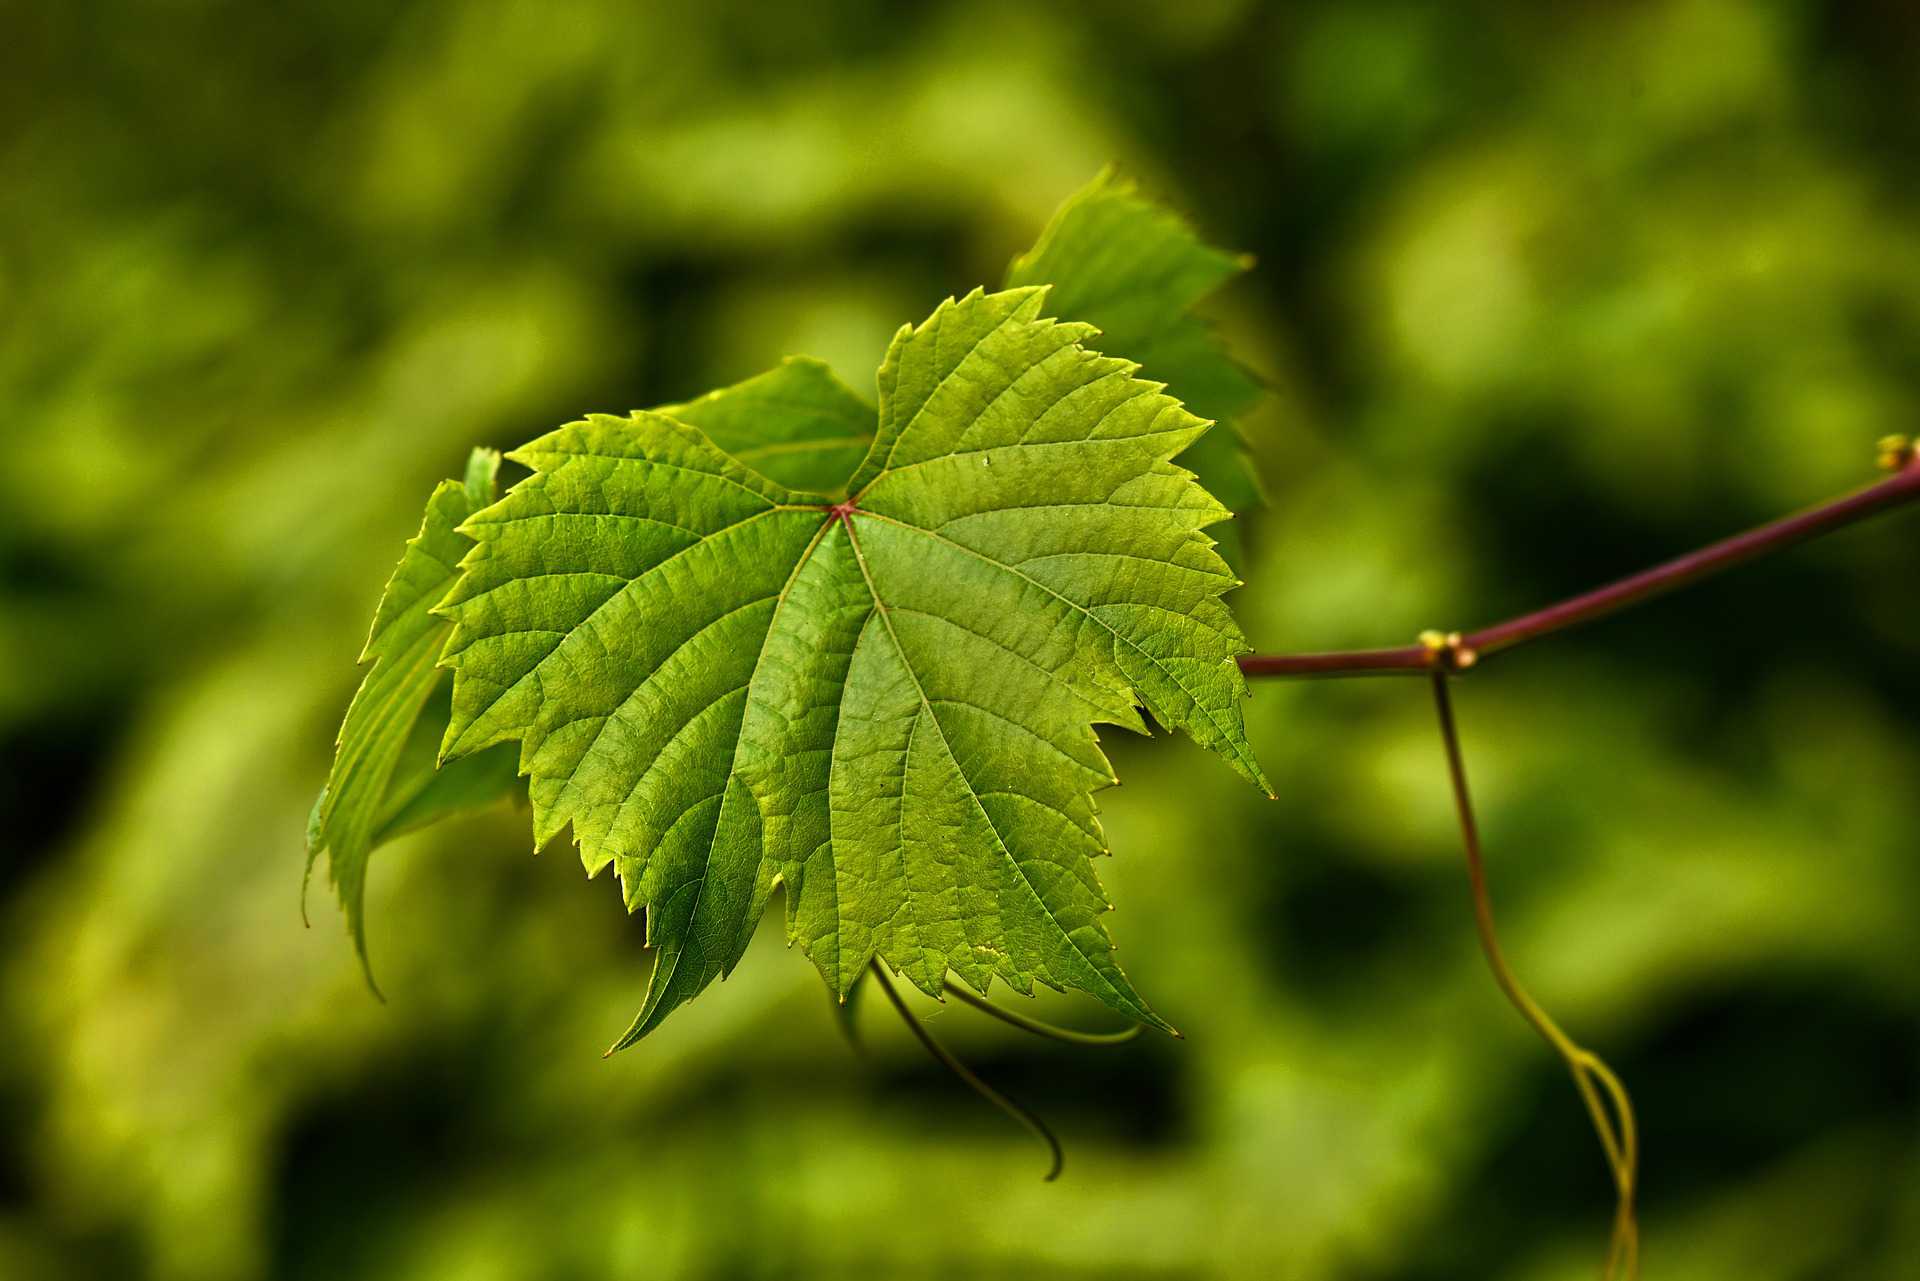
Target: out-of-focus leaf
{"type": "Point", "coordinates": [376, 787]}
{"type": "Point", "coordinates": [1116, 260]}
{"type": "Point", "coordinates": [422, 792]}
{"type": "Point", "coordinates": [1134, 270]}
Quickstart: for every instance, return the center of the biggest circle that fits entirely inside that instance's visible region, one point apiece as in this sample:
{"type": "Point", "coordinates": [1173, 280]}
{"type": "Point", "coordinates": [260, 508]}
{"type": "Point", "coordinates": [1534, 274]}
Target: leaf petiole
{"type": "Point", "coordinates": [1050, 1031]}
{"type": "Point", "coordinates": [944, 1057]}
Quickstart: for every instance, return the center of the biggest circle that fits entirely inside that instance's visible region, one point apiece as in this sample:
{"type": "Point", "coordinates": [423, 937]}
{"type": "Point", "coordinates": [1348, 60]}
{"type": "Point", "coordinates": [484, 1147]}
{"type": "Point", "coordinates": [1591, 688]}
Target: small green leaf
{"type": "Point", "coordinates": [383, 781]}
{"type": "Point", "coordinates": [1135, 271]}
{"type": "Point", "coordinates": [1116, 260]}
{"type": "Point", "coordinates": [885, 704]}
{"type": "Point", "coordinates": [422, 791]}
{"type": "Point", "coordinates": [796, 423]}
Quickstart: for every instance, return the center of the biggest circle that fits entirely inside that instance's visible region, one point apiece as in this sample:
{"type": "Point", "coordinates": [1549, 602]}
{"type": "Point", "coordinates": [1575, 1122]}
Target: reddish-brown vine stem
{"type": "Point", "coordinates": [1441, 657]}
{"type": "Point", "coordinates": [1897, 454]}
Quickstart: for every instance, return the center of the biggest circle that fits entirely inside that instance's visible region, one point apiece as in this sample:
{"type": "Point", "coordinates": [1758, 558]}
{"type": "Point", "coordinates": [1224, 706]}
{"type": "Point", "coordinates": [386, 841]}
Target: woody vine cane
{"type": "Point", "coordinates": [1443, 657]}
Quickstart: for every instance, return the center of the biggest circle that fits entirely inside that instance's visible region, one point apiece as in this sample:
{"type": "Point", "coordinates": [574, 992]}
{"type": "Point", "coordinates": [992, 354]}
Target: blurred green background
{"type": "Point", "coordinates": [1544, 293]}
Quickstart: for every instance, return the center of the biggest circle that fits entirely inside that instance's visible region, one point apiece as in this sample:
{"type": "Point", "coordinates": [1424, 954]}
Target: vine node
{"type": "Point", "coordinates": [1896, 453]}
{"type": "Point", "coordinates": [1450, 651]}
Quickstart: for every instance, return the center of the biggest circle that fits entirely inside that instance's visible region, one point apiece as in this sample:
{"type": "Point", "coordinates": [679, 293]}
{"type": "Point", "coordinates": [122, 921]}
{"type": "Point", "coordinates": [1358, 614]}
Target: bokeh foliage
{"type": "Point", "coordinates": [1543, 293]}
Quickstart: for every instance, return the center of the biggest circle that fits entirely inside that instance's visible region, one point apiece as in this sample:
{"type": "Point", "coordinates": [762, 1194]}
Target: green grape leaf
{"type": "Point", "coordinates": [422, 791]}
{"type": "Point", "coordinates": [383, 780]}
{"type": "Point", "coordinates": [884, 704]}
{"type": "Point", "coordinates": [1135, 270]}
{"type": "Point", "coordinates": [796, 424]}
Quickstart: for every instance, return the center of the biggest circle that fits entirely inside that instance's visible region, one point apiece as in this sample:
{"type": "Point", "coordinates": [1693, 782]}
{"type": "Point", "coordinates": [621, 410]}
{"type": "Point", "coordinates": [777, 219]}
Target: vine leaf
{"type": "Point", "coordinates": [885, 703]}
{"type": "Point", "coordinates": [1135, 270]}
{"type": "Point", "coordinates": [796, 424]}
{"type": "Point", "coordinates": [384, 781]}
